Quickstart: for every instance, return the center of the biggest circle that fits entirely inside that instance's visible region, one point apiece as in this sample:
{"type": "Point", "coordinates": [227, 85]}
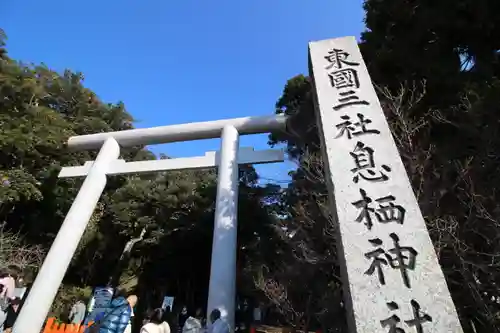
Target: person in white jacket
{"type": "Point", "coordinates": [193, 324]}
{"type": "Point", "coordinates": [156, 323]}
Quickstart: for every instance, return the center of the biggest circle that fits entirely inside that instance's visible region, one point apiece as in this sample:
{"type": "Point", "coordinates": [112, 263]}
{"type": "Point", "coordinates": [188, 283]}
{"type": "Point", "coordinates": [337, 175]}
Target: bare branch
{"type": "Point", "coordinates": [14, 252]}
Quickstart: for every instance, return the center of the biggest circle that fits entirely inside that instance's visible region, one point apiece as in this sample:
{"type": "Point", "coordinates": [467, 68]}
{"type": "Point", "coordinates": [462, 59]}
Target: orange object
{"type": "Point", "coordinates": [48, 325]}
{"type": "Point", "coordinates": [52, 327]}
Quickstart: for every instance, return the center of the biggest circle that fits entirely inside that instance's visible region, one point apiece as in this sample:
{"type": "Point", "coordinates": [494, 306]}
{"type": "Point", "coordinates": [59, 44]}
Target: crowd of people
{"type": "Point", "coordinates": [118, 318]}
{"type": "Point", "coordinates": [12, 295]}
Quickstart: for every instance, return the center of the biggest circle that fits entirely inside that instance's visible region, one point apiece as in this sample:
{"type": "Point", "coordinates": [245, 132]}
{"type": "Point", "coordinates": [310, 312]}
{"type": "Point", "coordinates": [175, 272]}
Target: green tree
{"type": "Point", "coordinates": [446, 127]}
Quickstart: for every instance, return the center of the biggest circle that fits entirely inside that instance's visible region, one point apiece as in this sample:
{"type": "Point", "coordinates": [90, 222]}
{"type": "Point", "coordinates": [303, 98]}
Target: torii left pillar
{"type": "Point", "coordinates": [50, 276]}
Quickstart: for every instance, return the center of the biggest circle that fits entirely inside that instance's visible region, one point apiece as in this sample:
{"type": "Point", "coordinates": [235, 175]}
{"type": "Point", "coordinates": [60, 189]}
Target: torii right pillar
{"type": "Point", "coordinates": [222, 286]}
{"type": "Point", "coordinates": [391, 275]}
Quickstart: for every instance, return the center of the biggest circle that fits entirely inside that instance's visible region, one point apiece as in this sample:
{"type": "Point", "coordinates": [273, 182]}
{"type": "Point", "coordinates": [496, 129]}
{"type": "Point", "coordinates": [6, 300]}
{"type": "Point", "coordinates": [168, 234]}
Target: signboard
{"type": "Point", "coordinates": [168, 301]}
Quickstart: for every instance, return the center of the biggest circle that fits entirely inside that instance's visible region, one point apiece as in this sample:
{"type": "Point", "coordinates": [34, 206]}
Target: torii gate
{"type": "Point", "coordinates": [222, 288]}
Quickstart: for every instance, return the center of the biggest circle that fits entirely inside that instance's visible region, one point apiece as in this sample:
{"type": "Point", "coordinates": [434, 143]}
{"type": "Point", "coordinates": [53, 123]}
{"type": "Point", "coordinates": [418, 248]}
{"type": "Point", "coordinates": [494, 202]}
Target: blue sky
{"type": "Point", "coordinates": [174, 62]}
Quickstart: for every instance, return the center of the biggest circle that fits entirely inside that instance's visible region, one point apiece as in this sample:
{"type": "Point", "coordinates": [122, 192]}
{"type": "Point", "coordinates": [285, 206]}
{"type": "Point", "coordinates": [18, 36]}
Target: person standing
{"type": "Point", "coordinates": [257, 314]}
{"type": "Point", "coordinates": [169, 317]}
{"type": "Point", "coordinates": [77, 313]}
{"type": "Point", "coordinates": [8, 281]}
{"type": "Point", "coordinates": [7, 292]}
{"type": "Point", "coordinates": [194, 324]}
{"type": "Point", "coordinates": [3, 308]}
{"type": "Point", "coordinates": [183, 316]}
{"type": "Point", "coordinates": [12, 312]}
{"type": "Point", "coordinates": [132, 300]}
{"type": "Point", "coordinates": [118, 315]}
{"type": "Point", "coordinates": [219, 325]}
{"type": "Point", "coordinates": [246, 317]}
{"type": "Point", "coordinates": [156, 323]}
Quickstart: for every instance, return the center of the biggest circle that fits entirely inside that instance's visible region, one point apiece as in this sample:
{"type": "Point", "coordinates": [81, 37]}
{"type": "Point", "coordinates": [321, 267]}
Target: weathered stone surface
{"type": "Point", "coordinates": [375, 206]}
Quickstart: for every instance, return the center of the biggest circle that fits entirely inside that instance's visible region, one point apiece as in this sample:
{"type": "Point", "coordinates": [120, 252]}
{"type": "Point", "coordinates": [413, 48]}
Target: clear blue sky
{"type": "Point", "coordinates": [174, 62]}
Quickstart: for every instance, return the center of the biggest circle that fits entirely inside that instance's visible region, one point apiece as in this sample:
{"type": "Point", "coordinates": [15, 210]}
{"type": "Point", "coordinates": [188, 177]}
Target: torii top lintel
{"type": "Point", "coordinates": [182, 132]}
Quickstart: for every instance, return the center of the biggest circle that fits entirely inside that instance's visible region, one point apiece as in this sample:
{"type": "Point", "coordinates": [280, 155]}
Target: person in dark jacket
{"type": "Point", "coordinates": [12, 312]}
{"type": "Point", "coordinates": [182, 318]}
{"type": "Point", "coordinates": [118, 315]}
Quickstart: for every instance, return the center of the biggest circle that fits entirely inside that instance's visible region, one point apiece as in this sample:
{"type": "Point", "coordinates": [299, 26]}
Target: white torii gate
{"type": "Point", "coordinates": [222, 288]}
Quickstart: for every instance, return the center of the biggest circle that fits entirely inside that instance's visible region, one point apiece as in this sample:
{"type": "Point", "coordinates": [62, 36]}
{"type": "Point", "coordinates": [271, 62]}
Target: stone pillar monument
{"type": "Point", "coordinates": [392, 278]}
